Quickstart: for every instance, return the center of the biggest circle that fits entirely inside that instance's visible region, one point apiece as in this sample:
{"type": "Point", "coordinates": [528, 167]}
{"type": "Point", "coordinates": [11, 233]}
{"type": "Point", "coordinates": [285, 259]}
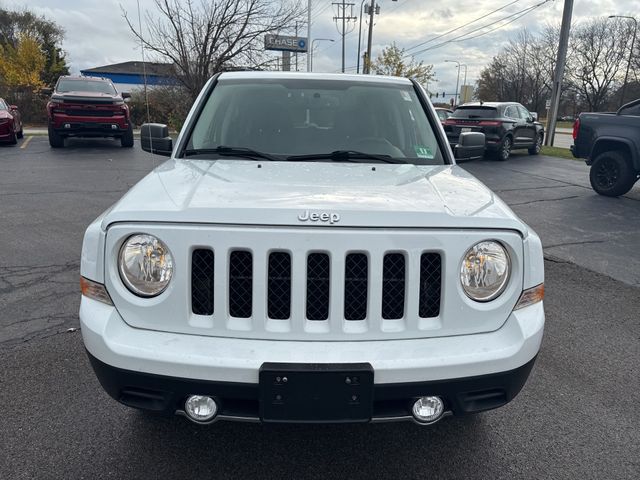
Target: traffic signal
{"type": "Point", "coordinates": [443, 94]}
{"type": "Point", "coordinates": [436, 94]}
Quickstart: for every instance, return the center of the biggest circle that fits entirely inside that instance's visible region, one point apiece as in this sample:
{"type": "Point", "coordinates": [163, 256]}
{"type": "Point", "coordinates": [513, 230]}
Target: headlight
{"type": "Point", "coordinates": [145, 265]}
{"type": "Point", "coordinates": [485, 271]}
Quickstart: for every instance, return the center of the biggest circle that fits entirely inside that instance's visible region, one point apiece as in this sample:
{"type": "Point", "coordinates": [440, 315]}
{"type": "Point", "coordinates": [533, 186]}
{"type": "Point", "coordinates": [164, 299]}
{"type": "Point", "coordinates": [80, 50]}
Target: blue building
{"type": "Point", "coordinates": [129, 76]}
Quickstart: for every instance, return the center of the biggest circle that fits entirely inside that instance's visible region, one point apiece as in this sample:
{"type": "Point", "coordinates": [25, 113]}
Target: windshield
{"type": "Point", "coordinates": [475, 112]}
{"type": "Point", "coordinates": [78, 85]}
{"type": "Point", "coordinates": [289, 117]}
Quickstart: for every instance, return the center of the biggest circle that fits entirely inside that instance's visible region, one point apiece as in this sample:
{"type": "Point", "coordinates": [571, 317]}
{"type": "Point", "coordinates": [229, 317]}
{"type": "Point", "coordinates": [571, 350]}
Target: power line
{"type": "Point", "coordinates": [529, 10]}
{"type": "Point", "coordinates": [518, 14]}
{"type": "Point", "coordinates": [462, 26]}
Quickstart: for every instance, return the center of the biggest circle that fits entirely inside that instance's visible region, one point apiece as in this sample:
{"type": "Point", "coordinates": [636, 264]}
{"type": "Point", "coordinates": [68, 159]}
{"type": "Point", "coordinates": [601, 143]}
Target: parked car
{"type": "Point", "coordinates": [11, 128]}
{"type": "Point", "coordinates": [443, 113]}
{"type": "Point", "coordinates": [311, 253]}
{"type": "Point", "coordinates": [88, 107]}
{"type": "Point", "coordinates": [610, 143]}
{"type": "Point", "coordinates": [507, 126]}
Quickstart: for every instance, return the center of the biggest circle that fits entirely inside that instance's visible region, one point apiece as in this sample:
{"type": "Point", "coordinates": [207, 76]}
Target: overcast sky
{"type": "Point", "coordinates": [96, 33]}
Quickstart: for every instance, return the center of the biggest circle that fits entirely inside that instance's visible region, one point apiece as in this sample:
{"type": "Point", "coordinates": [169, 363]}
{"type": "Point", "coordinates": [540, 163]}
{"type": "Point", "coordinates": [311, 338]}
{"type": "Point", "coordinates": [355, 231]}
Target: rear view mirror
{"type": "Point", "coordinates": [13, 107]}
{"type": "Point", "coordinates": [534, 115]}
{"type": "Point", "coordinates": [470, 146]}
{"type": "Point", "coordinates": [154, 138]}
{"type": "Point", "coordinates": [46, 91]}
{"type": "Point", "coordinates": [125, 95]}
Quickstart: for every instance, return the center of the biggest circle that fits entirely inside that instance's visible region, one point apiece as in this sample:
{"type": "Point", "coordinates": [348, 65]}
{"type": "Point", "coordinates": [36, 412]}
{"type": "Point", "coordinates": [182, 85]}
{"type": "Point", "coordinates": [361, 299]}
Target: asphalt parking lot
{"type": "Point", "coordinates": [577, 417]}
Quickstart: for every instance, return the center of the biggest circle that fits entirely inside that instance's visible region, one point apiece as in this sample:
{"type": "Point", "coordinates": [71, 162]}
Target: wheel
{"type": "Point", "coordinates": [535, 150]}
{"type": "Point", "coordinates": [14, 139]}
{"type": "Point", "coordinates": [55, 140]}
{"type": "Point", "coordinates": [21, 132]}
{"type": "Point", "coordinates": [504, 151]}
{"type": "Point", "coordinates": [611, 174]}
{"type": "Point", "coordinates": [126, 140]}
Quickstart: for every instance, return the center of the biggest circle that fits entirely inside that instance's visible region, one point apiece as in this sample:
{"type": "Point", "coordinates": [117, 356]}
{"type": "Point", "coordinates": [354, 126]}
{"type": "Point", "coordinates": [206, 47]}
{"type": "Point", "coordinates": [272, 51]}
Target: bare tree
{"type": "Point", "coordinates": [598, 60]}
{"type": "Point", "coordinates": [204, 37]}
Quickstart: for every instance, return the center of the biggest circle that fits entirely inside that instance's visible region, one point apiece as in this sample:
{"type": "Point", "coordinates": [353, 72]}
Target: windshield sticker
{"type": "Point", "coordinates": [423, 152]}
{"type": "Point", "coordinates": [405, 95]}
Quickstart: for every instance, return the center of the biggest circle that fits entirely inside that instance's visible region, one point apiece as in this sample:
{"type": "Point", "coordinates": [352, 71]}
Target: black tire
{"type": "Point", "coordinates": [14, 139]}
{"type": "Point", "coordinates": [537, 147]}
{"type": "Point", "coordinates": [611, 174]}
{"type": "Point", "coordinates": [21, 132]}
{"type": "Point", "coordinates": [55, 140]}
{"type": "Point", "coordinates": [126, 140]}
{"type": "Point", "coordinates": [504, 151]}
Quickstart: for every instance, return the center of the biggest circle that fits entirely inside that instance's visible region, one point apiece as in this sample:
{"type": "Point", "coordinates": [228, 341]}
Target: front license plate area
{"type": "Point", "coordinates": [465, 130]}
{"type": "Point", "coordinates": [316, 393]}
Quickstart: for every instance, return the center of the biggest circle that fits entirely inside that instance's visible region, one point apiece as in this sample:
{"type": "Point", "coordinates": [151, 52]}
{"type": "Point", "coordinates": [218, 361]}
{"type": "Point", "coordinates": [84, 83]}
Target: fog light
{"type": "Point", "coordinates": [67, 125]}
{"type": "Point", "coordinates": [200, 408]}
{"type": "Point", "coordinates": [428, 409]}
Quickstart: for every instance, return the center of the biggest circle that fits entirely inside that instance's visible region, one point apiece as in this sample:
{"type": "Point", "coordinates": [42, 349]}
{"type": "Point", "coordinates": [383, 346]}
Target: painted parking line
{"type": "Point", "coordinates": [26, 142]}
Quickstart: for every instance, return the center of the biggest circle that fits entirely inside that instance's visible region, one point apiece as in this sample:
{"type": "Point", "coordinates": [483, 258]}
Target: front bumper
{"type": "Point", "coordinates": [157, 370]}
{"type": "Point", "coordinates": [90, 126]}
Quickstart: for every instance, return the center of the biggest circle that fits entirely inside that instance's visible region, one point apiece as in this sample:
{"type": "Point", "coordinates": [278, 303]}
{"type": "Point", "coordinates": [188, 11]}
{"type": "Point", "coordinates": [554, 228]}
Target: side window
{"type": "Point", "coordinates": [511, 112]}
{"type": "Point", "coordinates": [524, 113]}
{"type": "Point", "coordinates": [3, 106]}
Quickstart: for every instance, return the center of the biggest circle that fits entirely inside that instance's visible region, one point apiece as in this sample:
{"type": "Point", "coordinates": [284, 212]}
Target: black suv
{"type": "Point", "coordinates": [506, 126]}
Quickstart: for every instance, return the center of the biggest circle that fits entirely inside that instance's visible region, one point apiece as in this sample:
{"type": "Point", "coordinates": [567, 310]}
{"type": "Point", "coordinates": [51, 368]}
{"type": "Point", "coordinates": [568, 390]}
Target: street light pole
{"type": "Point", "coordinates": [633, 41]}
{"type": "Point", "coordinates": [457, 81]}
{"type": "Point", "coordinates": [313, 46]}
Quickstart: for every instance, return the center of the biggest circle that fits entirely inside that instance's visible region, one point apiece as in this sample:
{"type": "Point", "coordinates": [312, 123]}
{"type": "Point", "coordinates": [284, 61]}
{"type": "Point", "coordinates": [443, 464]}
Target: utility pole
{"type": "Point", "coordinates": [308, 33]}
{"type": "Point", "coordinates": [455, 96]}
{"type": "Point", "coordinates": [360, 37]}
{"type": "Point", "coordinates": [296, 54]}
{"type": "Point", "coordinates": [344, 18]}
{"type": "Point", "coordinates": [367, 66]}
{"type": "Point", "coordinates": [559, 72]}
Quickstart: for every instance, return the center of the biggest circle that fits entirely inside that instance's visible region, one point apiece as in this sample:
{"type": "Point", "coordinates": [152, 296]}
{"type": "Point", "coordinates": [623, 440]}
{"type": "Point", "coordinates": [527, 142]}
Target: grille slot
{"type": "Point", "coordinates": [202, 263]}
{"type": "Point", "coordinates": [430, 285]}
{"type": "Point", "coordinates": [89, 113]}
{"type": "Point", "coordinates": [318, 285]}
{"type": "Point", "coordinates": [240, 283]}
{"type": "Point", "coordinates": [279, 286]}
{"type": "Point", "coordinates": [393, 286]}
{"type": "Point", "coordinates": [356, 283]}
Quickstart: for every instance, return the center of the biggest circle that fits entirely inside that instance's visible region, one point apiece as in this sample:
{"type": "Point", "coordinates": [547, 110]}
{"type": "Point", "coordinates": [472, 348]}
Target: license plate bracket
{"type": "Point", "coordinates": [316, 393]}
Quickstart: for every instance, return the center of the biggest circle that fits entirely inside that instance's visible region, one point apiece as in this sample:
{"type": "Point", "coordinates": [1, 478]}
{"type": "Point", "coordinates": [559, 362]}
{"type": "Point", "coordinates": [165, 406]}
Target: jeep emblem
{"type": "Point", "coordinates": [307, 216]}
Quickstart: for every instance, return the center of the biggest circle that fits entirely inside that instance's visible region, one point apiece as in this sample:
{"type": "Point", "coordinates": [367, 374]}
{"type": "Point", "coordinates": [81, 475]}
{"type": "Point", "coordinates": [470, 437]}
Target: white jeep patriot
{"type": "Point", "coordinates": [311, 253]}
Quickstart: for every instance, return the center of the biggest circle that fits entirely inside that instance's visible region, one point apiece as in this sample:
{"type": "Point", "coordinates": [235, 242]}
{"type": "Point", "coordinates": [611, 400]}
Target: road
{"type": "Point", "coordinates": [576, 418]}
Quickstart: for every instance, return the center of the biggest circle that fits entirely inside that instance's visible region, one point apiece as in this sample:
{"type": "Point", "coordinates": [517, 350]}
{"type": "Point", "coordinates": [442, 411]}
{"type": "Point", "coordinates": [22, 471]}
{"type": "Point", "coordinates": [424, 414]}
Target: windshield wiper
{"type": "Point", "coordinates": [225, 151]}
{"type": "Point", "coordinates": [345, 156]}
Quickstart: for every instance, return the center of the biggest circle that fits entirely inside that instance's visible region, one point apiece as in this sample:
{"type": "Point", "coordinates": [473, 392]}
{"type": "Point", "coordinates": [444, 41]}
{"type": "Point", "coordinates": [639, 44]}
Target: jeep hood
{"type": "Point", "coordinates": [242, 192]}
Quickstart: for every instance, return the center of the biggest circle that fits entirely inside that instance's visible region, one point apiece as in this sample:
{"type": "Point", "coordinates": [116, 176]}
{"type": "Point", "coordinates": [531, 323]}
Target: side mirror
{"type": "Point", "coordinates": [13, 107]}
{"type": "Point", "coordinates": [46, 91]}
{"type": "Point", "coordinates": [534, 116]}
{"type": "Point", "coordinates": [470, 146]}
{"type": "Point", "coordinates": [125, 95]}
{"type": "Point", "coordinates": [154, 138]}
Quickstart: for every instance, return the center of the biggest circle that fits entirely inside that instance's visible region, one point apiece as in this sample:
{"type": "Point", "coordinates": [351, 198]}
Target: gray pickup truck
{"type": "Point", "coordinates": [610, 143]}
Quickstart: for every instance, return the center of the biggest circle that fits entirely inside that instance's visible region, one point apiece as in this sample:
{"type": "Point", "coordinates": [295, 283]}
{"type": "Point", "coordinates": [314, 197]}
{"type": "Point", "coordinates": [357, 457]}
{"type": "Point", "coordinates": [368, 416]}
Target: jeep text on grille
{"type": "Point", "coordinates": [307, 254]}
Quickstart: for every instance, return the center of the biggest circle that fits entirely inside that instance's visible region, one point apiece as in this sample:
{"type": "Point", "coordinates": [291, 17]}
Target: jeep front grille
{"type": "Point", "coordinates": [359, 280]}
{"type": "Point", "coordinates": [240, 283]}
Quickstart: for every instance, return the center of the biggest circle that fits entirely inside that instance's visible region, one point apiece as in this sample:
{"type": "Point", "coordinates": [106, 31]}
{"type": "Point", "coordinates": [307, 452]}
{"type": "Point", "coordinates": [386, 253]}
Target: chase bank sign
{"type": "Point", "coordinates": [285, 43]}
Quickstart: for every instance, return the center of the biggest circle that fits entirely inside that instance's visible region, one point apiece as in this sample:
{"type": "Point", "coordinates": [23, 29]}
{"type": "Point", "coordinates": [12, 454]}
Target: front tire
{"type": "Point", "coordinates": [611, 174]}
{"type": "Point", "coordinates": [537, 147]}
{"type": "Point", "coordinates": [55, 139]}
{"type": "Point", "coordinates": [126, 140]}
{"type": "Point", "coordinates": [21, 132]}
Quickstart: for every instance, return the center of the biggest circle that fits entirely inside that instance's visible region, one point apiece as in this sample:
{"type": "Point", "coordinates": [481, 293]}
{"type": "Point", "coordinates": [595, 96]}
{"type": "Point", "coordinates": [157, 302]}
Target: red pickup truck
{"type": "Point", "coordinates": [88, 107]}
